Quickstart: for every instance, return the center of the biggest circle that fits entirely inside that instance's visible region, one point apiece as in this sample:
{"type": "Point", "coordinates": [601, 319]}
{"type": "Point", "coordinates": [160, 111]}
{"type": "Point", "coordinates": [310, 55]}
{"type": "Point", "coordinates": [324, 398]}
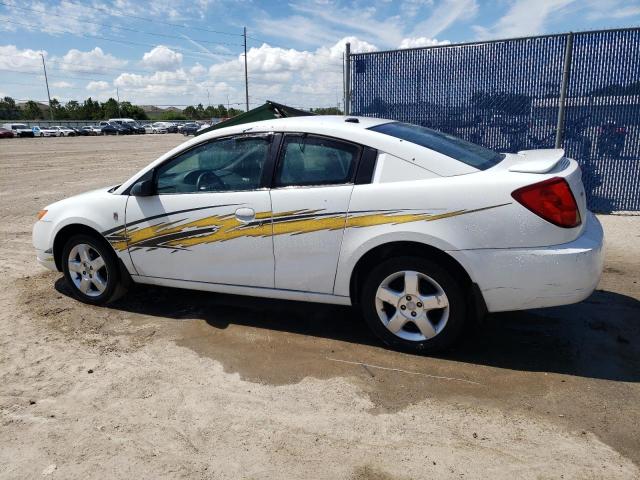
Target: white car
{"type": "Point", "coordinates": [19, 129]}
{"type": "Point", "coordinates": [43, 132]}
{"type": "Point", "coordinates": [61, 131]}
{"type": "Point", "coordinates": [424, 232]}
{"type": "Point", "coordinates": [157, 127]}
{"type": "Point", "coordinates": [93, 129]}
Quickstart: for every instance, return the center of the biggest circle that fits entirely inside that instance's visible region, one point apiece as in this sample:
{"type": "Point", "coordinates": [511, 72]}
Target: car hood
{"type": "Point", "coordinates": [81, 197]}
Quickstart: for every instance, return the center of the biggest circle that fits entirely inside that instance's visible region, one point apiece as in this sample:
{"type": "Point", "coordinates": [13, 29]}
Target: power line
{"type": "Point", "coordinates": [120, 14]}
{"type": "Point", "coordinates": [178, 82]}
{"type": "Point", "coordinates": [188, 53]}
{"type": "Point", "coordinates": [65, 77]}
{"type": "Point", "coordinates": [88, 65]}
{"type": "Point", "coordinates": [165, 35]}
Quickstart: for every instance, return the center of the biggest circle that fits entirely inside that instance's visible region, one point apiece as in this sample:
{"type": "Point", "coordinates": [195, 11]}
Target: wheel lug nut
{"type": "Point", "coordinates": [419, 305]}
{"type": "Point", "coordinates": [413, 314]}
{"type": "Point", "coordinates": [402, 307]}
{"type": "Point", "coordinates": [409, 297]}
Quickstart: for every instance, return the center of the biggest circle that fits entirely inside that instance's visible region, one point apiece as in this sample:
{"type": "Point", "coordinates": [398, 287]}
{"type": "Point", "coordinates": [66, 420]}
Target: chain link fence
{"type": "Point", "coordinates": [578, 90]}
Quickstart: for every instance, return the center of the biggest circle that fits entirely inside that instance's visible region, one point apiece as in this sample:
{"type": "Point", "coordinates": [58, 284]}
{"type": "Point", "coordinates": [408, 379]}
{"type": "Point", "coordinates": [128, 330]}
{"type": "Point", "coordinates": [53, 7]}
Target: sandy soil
{"type": "Point", "coordinates": [175, 384]}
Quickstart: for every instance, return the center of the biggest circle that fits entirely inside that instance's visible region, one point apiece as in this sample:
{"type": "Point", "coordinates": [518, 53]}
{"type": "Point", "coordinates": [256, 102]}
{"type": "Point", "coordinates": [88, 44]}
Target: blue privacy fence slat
{"type": "Point", "coordinates": [506, 95]}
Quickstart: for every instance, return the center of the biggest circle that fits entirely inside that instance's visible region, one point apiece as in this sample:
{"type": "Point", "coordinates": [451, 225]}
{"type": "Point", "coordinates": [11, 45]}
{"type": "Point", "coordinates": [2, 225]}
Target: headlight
{"type": "Point", "coordinates": [41, 214]}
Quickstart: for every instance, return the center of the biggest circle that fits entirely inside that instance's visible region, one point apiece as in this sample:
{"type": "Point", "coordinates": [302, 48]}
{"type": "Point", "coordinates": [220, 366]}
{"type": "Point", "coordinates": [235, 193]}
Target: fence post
{"type": "Point", "coordinates": [566, 73]}
{"type": "Point", "coordinates": [347, 79]}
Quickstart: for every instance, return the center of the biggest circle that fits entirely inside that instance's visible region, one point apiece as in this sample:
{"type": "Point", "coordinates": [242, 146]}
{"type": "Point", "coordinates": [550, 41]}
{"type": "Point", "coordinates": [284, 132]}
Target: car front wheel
{"type": "Point", "coordinates": [413, 304]}
{"type": "Point", "coordinates": [91, 270]}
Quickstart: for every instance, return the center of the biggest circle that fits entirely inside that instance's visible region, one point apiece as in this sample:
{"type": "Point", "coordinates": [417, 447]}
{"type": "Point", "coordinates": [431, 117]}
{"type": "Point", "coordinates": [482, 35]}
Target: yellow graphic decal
{"type": "Point", "coordinates": [179, 235]}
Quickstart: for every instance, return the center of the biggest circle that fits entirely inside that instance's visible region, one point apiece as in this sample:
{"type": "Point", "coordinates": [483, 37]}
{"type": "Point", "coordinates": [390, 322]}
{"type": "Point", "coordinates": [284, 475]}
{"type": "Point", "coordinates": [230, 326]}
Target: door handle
{"type": "Point", "coordinates": [245, 214]}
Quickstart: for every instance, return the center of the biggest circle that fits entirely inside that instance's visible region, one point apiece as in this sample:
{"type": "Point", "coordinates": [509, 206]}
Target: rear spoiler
{"type": "Point", "coordinates": [538, 161]}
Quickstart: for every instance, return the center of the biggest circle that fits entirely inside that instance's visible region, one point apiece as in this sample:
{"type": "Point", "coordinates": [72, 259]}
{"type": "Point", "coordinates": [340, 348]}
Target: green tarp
{"type": "Point", "coordinates": [268, 111]}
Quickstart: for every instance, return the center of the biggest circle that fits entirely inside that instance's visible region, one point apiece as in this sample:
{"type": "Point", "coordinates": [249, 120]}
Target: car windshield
{"type": "Point", "coordinates": [454, 147]}
{"type": "Point", "coordinates": [19, 125]}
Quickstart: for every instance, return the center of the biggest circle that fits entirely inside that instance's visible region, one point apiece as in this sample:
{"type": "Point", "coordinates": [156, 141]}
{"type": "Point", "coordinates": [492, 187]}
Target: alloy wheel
{"type": "Point", "coordinates": [88, 270]}
{"type": "Point", "coordinates": [412, 305]}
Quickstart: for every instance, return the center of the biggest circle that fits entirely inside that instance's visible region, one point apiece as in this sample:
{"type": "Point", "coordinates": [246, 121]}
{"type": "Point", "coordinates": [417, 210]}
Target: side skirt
{"type": "Point", "coordinates": [240, 290]}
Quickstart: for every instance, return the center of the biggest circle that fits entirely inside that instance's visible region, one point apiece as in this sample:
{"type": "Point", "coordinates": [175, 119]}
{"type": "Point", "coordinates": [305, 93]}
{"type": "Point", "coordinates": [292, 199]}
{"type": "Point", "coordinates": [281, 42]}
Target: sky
{"type": "Point", "coordinates": [185, 52]}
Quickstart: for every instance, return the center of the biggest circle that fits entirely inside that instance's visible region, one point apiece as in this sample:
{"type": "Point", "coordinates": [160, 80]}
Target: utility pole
{"type": "Point", "coordinates": [566, 72]}
{"type": "Point", "coordinates": [46, 81]}
{"type": "Point", "coordinates": [347, 79]}
{"type": "Point", "coordinates": [228, 106]}
{"type": "Point", "coordinates": [118, 95]}
{"type": "Point", "coordinates": [246, 77]}
{"type": "Point", "coordinates": [344, 91]}
{"type": "Point", "coordinates": [208, 99]}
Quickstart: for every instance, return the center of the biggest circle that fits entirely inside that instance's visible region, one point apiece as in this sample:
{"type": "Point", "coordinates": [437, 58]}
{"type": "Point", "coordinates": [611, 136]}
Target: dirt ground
{"type": "Point", "coordinates": [176, 384]}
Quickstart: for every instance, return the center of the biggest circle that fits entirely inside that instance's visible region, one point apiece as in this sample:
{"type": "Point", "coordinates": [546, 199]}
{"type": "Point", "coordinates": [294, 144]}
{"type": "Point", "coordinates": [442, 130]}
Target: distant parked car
{"type": "Point", "coordinates": [6, 133]}
{"type": "Point", "coordinates": [159, 127]}
{"type": "Point", "coordinates": [189, 129]}
{"type": "Point", "coordinates": [19, 129]}
{"type": "Point", "coordinates": [109, 128]}
{"type": "Point", "coordinates": [91, 130]}
{"type": "Point", "coordinates": [128, 123]}
{"type": "Point", "coordinates": [170, 126]}
{"type": "Point", "coordinates": [63, 131]}
{"type": "Point", "coordinates": [126, 128]}
{"type": "Point", "coordinates": [80, 132]}
{"type": "Point", "coordinates": [43, 132]}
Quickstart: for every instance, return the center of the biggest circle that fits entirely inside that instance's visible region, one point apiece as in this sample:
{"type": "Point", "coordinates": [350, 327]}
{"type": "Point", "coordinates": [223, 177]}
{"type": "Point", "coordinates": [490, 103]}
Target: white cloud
{"type": "Point", "coordinates": [20, 60]}
{"type": "Point", "coordinates": [523, 18]}
{"type": "Point", "coordinates": [323, 22]}
{"type": "Point", "coordinates": [197, 70]}
{"type": "Point", "coordinates": [62, 84]}
{"type": "Point", "coordinates": [97, 85]}
{"type": "Point", "coordinates": [296, 77]}
{"type": "Point", "coordinates": [445, 14]}
{"type": "Point", "coordinates": [415, 42]}
{"type": "Point", "coordinates": [164, 85]}
{"type": "Point", "coordinates": [171, 10]}
{"type": "Point", "coordinates": [92, 61]}
{"type": "Point", "coordinates": [53, 18]}
{"type": "Point", "coordinates": [162, 58]}
{"type": "Point", "coordinates": [611, 9]}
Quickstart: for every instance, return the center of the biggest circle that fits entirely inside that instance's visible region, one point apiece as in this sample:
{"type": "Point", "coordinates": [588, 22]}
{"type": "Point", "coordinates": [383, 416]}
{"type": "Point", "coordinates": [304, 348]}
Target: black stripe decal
{"type": "Point", "coordinates": [154, 217]}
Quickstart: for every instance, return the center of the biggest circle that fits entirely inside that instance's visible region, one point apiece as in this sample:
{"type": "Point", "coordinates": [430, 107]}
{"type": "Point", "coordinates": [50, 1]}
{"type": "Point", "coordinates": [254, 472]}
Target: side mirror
{"type": "Point", "coordinates": [144, 188]}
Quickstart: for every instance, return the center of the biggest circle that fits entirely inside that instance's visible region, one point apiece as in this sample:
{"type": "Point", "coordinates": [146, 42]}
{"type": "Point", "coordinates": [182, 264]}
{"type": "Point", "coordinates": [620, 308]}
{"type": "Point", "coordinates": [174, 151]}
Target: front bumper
{"type": "Point", "coordinates": [43, 243]}
{"type": "Point", "coordinates": [524, 278]}
{"type": "Point", "coordinates": [45, 258]}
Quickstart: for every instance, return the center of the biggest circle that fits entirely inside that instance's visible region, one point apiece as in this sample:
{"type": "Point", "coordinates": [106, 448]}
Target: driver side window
{"type": "Point", "coordinates": [229, 164]}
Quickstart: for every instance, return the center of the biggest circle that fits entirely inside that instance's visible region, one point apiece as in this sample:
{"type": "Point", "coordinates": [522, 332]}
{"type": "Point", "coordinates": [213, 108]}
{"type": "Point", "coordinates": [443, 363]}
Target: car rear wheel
{"type": "Point", "coordinates": [413, 304]}
{"type": "Point", "coordinates": [91, 270]}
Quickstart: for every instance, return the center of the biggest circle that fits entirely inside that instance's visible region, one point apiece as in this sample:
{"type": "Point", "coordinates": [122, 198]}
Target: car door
{"type": "Point", "coordinates": [209, 219]}
{"type": "Point", "coordinates": [312, 186]}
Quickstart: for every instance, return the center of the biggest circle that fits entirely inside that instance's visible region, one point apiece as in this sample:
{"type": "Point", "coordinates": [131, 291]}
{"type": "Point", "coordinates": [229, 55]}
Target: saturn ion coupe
{"type": "Point", "coordinates": [420, 230]}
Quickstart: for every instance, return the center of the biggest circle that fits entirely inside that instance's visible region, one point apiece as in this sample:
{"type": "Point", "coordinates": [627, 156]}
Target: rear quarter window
{"type": "Point", "coordinates": [469, 153]}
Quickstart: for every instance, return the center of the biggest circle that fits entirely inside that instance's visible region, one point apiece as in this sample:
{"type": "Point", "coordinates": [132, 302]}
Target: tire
{"type": "Point", "coordinates": [440, 302]}
{"type": "Point", "coordinates": [105, 283]}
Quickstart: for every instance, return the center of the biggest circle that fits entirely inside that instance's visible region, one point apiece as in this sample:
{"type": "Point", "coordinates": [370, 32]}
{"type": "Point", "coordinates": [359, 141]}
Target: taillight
{"type": "Point", "coordinates": [552, 200]}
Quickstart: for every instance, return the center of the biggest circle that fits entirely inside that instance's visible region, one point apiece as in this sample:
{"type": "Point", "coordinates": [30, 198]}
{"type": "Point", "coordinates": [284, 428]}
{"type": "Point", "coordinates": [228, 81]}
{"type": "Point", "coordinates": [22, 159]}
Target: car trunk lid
{"type": "Point", "coordinates": [538, 165]}
{"type": "Point", "coordinates": [537, 161]}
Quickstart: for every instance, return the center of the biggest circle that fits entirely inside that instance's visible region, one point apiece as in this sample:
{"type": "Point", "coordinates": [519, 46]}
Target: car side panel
{"type": "Point", "coordinates": [456, 213]}
{"type": "Point", "coordinates": [99, 210]}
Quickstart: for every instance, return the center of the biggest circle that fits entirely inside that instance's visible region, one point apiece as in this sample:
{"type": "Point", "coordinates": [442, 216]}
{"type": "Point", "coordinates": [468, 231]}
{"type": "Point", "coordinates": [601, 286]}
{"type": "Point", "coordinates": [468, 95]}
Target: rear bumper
{"type": "Point", "coordinates": [524, 278]}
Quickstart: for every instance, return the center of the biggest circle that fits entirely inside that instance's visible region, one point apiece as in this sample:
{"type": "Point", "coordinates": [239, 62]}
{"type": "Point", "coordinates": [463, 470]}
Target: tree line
{"type": "Point", "coordinates": [91, 109]}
